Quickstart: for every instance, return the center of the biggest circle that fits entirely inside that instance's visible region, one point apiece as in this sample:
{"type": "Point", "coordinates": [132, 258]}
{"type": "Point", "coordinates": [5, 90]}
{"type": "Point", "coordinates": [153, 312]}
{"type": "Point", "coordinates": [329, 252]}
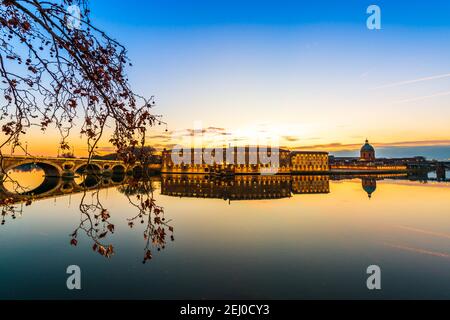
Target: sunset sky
{"type": "Point", "coordinates": [311, 73]}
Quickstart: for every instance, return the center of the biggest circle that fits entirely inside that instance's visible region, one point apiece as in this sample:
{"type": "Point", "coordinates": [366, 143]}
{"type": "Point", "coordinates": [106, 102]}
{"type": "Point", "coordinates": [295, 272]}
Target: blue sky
{"type": "Point", "coordinates": [204, 13]}
{"type": "Point", "coordinates": [304, 69]}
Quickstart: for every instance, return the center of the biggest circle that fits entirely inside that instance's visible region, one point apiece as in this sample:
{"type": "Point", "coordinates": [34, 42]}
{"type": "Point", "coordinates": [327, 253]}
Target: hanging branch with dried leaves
{"type": "Point", "coordinates": [52, 73]}
{"type": "Point", "coordinates": [157, 228]}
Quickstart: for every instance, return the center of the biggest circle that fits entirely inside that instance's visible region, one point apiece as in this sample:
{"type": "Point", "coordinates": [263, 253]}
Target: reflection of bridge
{"type": "Point", "coordinates": [60, 174]}
{"type": "Point", "coordinates": [54, 187]}
{"type": "Point", "coordinates": [205, 186]}
{"type": "Point", "coordinates": [242, 187]}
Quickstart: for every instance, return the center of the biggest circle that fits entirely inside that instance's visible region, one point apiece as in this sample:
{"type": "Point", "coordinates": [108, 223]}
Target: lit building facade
{"type": "Point", "coordinates": [239, 160]}
{"type": "Point", "coordinates": [308, 161]}
{"type": "Point", "coordinates": [256, 160]}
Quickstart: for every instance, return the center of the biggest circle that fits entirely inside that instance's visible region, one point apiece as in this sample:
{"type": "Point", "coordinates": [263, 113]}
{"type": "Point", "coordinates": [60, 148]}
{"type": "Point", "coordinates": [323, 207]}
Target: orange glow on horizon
{"type": "Point", "coordinates": [46, 144]}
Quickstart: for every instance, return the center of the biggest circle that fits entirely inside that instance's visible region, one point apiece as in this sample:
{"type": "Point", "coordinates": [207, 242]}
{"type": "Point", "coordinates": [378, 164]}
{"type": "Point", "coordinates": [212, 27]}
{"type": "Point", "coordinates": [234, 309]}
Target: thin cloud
{"type": "Point", "coordinates": [215, 129]}
{"type": "Point", "coordinates": [402, 83]}
{"type": "Point", "coordinates": [192, 132]}
{"type": "Point", "coordinates": [157, 136]}
{"type": "Point", "coordinates": [427, 232]}
{"type": "Point", "coordinates": [106, 149]}
{"type": "Point", "coordinates": [290, 138]}
{"type": "Point", "coordinates": [329, 146]}
{"type": "Point", "coordinates": [354, 146]}
{"type": "Point", "coordinates": [440, 94]}
{"type": "Point", "coordinates": [419, 250]}
{"type": "Point", "coordinates": [419, 143]}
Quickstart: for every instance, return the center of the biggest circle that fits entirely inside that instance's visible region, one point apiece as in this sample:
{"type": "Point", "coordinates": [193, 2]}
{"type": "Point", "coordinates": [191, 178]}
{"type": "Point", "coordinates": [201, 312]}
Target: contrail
{"type": "Point", "coordinates": [418, 250]}
{"type": "Point", "coordinates": [439, 94]}
{"type": "Point", "coordinates": [402, 83]}
{"type": "Point", "coordinates": [431, 233]}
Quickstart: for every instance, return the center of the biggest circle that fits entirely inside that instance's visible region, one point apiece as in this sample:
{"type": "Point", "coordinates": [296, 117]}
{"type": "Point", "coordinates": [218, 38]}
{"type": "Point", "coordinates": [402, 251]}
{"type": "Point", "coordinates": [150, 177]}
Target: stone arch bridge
{"type": "Point", "coordinates": [69, 167]}
{"type": "Point", "coordinates": [440, 167]}
{"type": "Point", "coordinates": [60, 173]}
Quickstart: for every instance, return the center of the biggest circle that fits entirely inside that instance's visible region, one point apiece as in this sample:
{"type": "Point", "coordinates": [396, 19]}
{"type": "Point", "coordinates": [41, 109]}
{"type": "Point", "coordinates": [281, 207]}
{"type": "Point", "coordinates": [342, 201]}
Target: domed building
{"type": "Point", "coordinates": [367, 152]}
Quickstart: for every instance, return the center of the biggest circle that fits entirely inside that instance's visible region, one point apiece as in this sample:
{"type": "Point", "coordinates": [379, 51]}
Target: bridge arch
{"type": "Point", "coordinates": [47, 186]}
{"type": "Point", "coordinates": [67, 186]}
{"type": "Point", "coordinates": [137, 171]}
{"type": "Point", "coordinates": [52, 172]}
{"type": "Point", "coordinates": [118, 169]}
{"type": "Point", "coordinates": [118, 178]}
{"type": "Point", "coordinates": [106, 182]}
{"type": "Point", "coordinates": [90, 181]}
{"type": "Point", "coordinates": [91, 168]}
{"type": "Point", "coordinates": [68, 166]}
{"type": "Point", "coordinates": [50, 169]}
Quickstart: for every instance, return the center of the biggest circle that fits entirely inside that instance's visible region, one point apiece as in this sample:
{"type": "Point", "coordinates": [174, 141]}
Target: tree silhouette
{"type": "Point", "coordinates": [95, 222]}
{"type": "Point", "coordinates": [55, 67]}
{"type": "Point", "coordinates": [157, 228]}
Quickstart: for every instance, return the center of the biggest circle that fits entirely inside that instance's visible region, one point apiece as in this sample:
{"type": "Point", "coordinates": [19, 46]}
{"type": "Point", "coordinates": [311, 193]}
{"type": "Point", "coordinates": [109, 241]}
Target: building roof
{"type": "Point", "coordinates": [309, 152]}
{"type": "Point", "coordinates": [236, 148]}
{"type": "Point", "coordinates": [367, 147]}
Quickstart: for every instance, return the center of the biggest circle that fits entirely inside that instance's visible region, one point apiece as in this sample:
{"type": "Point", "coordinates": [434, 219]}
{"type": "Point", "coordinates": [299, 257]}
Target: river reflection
{"type": "Point", "coordinates": [236, 237]}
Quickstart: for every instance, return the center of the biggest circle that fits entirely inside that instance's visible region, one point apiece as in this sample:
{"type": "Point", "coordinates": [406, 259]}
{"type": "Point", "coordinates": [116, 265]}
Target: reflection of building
{"type": "Point", "coordinates": [369, 185]}
{"type": "Point", "coordinates": [247, 187]}
{"type": "Point", "coordinates": [306, 161]}
{"type": "Point", "coordinates": [310, 184]}
{"type": "Point", "coordinates": [242, 187]}
{"type": "Point", "coordinates": [243, 160]}
{"type": "Point", "coordinates": [367, 152]}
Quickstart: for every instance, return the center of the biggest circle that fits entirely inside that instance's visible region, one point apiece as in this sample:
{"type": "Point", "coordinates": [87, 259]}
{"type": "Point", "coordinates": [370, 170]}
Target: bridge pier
{"type": "Point", "coordinates": [440, 172]}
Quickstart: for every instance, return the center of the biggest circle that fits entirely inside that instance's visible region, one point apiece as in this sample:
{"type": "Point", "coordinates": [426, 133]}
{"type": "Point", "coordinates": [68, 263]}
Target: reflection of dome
{"type": "Point", "coordinates": [369, 185]}
{"type": "Point", "coordinates": [367, 152]}
{"type": "Point", "coordinates": [370, 190]}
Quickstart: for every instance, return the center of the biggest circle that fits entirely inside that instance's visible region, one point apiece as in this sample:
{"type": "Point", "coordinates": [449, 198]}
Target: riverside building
{"type": "Point", "coordinates": [243, 160]}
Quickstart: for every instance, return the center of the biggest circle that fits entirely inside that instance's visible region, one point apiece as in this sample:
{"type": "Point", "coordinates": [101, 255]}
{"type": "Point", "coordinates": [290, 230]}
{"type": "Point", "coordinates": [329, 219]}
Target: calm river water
{"type": "Point", "coordinates": [249, 238]}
